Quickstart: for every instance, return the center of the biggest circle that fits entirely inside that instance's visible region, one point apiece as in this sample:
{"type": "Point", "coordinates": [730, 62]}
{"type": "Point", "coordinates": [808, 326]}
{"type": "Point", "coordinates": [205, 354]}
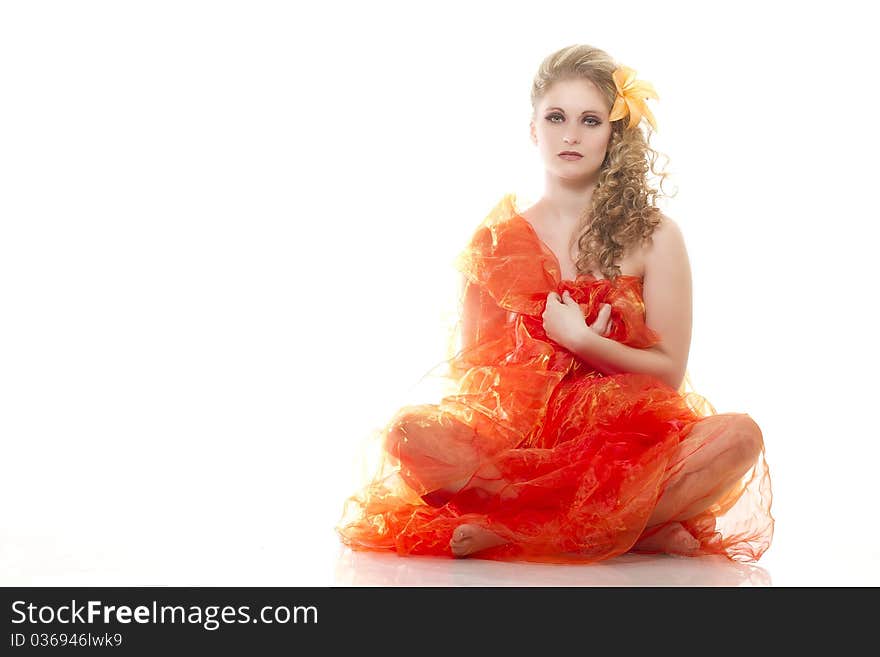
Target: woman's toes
{"type": "Point", "coordinates": [463, 532]}
{"type": "Point", "coordinates": [467, 539]}
{"type": "Point", "coordinates": [681, 541]}
{"type": "Point", "coordinates": [672, 539]}
{"type": "Point", "coordinates": [462, 540]}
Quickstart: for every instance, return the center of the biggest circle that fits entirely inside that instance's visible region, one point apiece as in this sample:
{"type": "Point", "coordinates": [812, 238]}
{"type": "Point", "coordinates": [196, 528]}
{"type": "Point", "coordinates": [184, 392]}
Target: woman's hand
{"type": "Point", "coordinates": [564, 321]}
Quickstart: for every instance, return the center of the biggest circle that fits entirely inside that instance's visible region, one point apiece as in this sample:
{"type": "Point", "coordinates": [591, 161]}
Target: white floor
{"type": "Point", "coordinates": [359, 569]}
{"type": "Point", "coordinates": [279, 556]}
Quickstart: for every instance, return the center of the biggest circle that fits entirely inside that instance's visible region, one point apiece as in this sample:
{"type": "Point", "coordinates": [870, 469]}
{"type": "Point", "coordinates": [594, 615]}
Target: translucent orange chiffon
{"type": "Point", "coordinates": [565, 463]}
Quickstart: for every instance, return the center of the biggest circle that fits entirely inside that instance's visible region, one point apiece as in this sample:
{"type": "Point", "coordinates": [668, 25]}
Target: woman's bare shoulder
{"type": "Point", "coordinates": [665, 232]}
{"type": "Point", "coordinates": [666, 242]}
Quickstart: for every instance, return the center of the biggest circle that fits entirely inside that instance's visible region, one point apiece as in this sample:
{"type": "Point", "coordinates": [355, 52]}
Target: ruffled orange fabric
{"type": "Point", "coordinates": [564, 462]}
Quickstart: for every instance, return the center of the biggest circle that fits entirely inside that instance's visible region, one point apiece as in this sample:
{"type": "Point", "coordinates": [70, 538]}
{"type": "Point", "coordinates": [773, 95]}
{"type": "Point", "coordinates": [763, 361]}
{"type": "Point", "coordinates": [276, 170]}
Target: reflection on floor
{"type": "Point", "coordinates": [355, 568]}
{"type": "Point", "coordinates": [271, 553]}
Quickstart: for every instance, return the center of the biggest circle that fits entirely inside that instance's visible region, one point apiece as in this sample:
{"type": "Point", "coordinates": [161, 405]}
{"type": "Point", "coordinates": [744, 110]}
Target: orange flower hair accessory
{"type": "Point", "coordinates": [631, 95]}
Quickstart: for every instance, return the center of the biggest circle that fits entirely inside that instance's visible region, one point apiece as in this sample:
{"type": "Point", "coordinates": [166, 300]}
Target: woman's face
{"type": "Point", "coordinates": [572, 116]}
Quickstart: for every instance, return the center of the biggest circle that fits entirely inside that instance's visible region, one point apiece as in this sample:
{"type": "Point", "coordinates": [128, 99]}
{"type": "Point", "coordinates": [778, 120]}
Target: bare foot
{"type": "Point", "coordinates": [467, 539]}
{"type": "Point", "coordinates": [672, 539]}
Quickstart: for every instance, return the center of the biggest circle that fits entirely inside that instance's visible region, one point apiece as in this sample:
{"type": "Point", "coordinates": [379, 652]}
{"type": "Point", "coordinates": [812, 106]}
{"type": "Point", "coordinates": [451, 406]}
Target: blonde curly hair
{"type": "Point", "coordinates": [623, 210]}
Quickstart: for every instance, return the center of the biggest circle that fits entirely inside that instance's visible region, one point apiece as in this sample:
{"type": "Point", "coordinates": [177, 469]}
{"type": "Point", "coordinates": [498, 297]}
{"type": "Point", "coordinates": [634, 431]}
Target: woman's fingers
{"type": "Point", "coordinates": [603, 320]}
{"type": "Point", "coordinates": [606, 309]}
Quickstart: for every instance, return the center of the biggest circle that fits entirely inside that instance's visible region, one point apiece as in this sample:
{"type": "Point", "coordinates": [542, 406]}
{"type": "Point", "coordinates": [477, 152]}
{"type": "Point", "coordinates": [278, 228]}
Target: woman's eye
{"type": "Point", "coordinates": [552, 118]}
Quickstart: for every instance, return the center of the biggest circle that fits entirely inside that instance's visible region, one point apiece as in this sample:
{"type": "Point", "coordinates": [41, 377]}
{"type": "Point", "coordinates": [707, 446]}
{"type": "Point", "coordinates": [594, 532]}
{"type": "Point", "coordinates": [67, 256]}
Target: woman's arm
{"type": "Point", "coordinates": [667, 292]}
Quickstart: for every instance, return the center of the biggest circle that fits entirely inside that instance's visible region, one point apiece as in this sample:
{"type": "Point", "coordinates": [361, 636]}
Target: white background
{"type": "Point", "coordinates": [226, 243]}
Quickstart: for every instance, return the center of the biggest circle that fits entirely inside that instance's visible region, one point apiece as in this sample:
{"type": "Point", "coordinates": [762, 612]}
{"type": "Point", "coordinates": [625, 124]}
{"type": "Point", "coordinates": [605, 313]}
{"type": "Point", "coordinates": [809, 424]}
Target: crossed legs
{"type": "Point", "coordinates": [713, 457]}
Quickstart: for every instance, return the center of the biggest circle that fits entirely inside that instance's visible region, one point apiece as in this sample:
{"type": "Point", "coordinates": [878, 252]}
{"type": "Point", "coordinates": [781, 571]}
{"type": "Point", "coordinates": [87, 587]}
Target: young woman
{"type": "Point", "coordinates": [570, 437]}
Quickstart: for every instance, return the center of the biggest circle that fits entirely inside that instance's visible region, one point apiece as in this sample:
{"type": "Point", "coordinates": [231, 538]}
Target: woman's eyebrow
{"type": "Point", "coordinates": [584, 112]}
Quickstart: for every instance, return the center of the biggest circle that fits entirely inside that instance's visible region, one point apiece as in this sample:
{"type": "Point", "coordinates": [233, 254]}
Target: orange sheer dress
{"type": "Point", "coordinates": [564, 462]}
